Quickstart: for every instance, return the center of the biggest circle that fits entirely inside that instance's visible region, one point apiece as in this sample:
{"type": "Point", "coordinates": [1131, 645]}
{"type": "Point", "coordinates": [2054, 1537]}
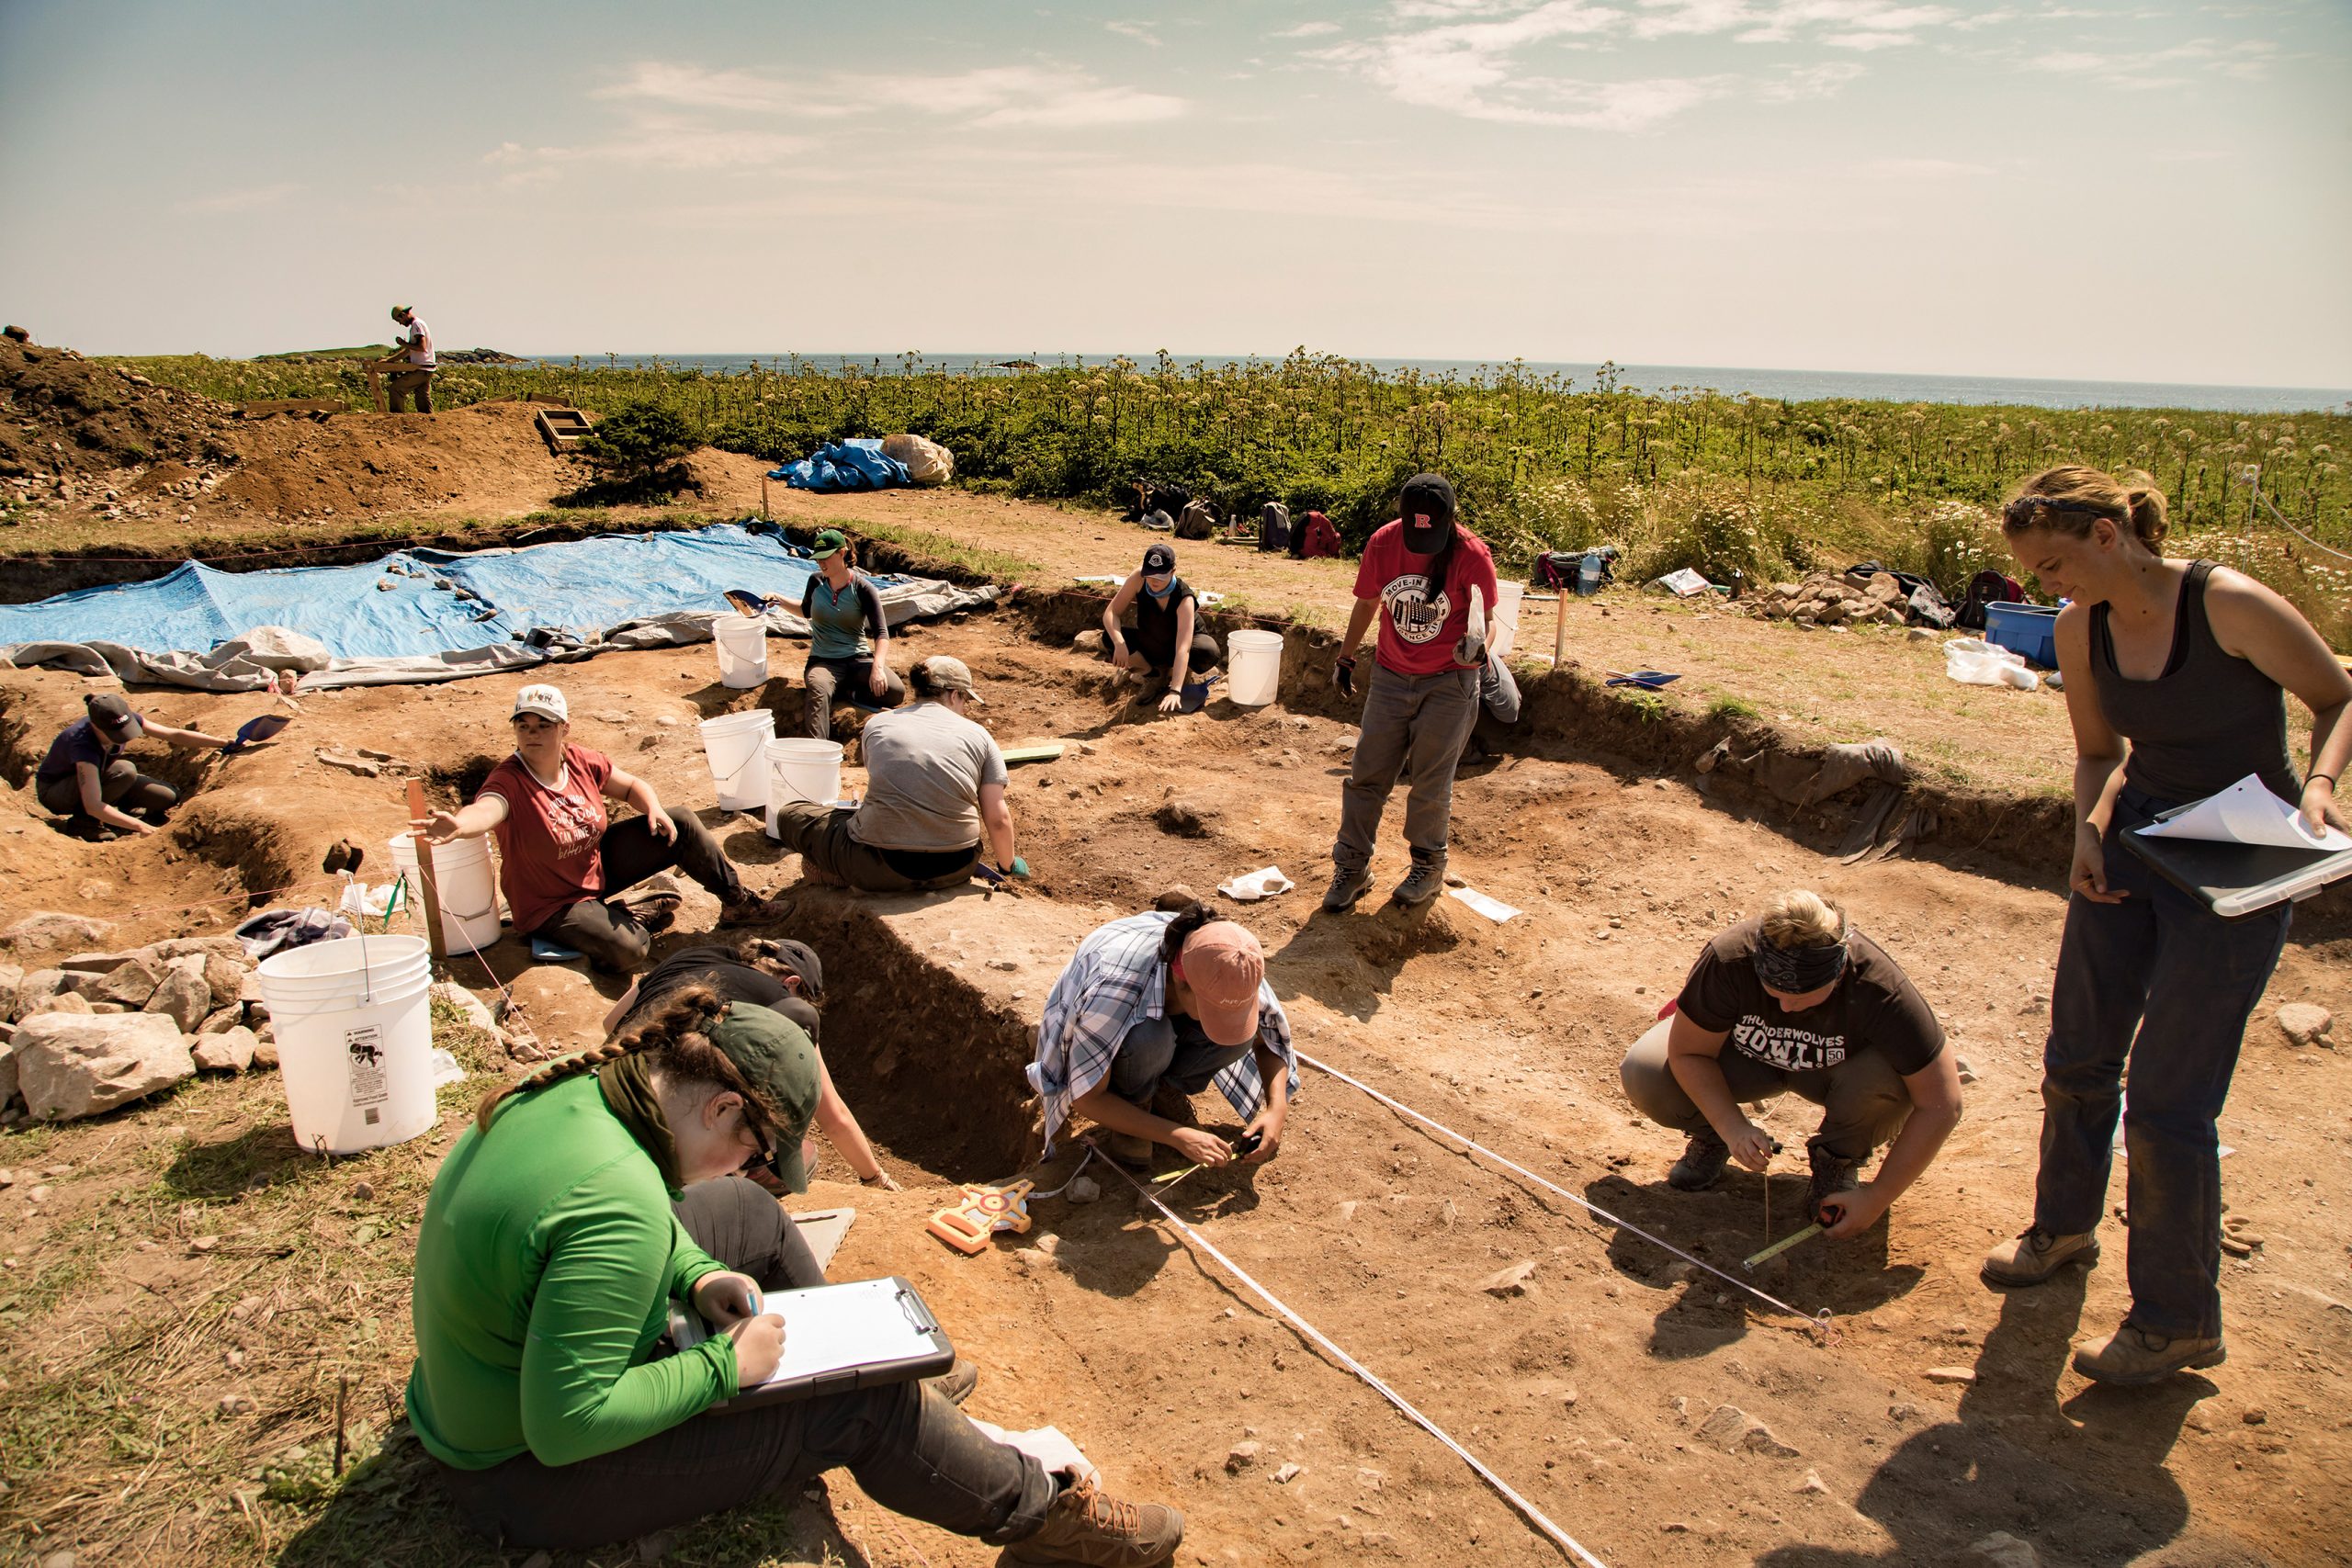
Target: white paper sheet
{"type": "Point", "coordinates": [2246, 813]}
{"type": "Point", "coordinates": [829, 1327]}
{"type": "Point", "coordinates": [1256, 885]}
{"type": "Point", "coordinates": [1494, 909]}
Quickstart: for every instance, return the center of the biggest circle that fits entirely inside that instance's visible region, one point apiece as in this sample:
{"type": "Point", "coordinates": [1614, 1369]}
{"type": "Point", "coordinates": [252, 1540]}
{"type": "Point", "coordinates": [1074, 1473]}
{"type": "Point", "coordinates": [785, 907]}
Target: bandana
{"type": "Point", "coordinates": [1797, 970]}
{"type": "Point", "coordinates": [627, 1086]}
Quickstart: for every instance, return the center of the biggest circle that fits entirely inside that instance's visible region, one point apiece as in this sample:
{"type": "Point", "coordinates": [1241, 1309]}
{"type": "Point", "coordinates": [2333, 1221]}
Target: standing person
{"type": "Point", "coordinates": [934, 788]}
{"type": "Point", "coordinates": [1175, 1000]}
{"type": "Point", "coordinates": [564, 866]}
{"type": "Point", "coordinates": [417, 354]}
{"type": "Point", "coordinates": [86, 778]}
{"type": "Point", "coordinates": [2176, 680]}
{"type": "Point", "coordinates": [546, 1263]}
{"type": "Point", "coordinates": [1808, 1005]}
{"type": "Point", "coordinates": [1417, 573]}
{"type": "Point", "coordinates": [1168, 642]}
{"type": "Point", "coordinates": [849, 636]}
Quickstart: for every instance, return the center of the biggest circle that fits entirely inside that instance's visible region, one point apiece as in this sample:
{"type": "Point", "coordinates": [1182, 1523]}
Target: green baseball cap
{"type": "Point", "coordinates": [831, 542]}
{"type": "Point", "coordinates": [780, 1061]}
{"type": "Point", "coordinates": [399, 311]}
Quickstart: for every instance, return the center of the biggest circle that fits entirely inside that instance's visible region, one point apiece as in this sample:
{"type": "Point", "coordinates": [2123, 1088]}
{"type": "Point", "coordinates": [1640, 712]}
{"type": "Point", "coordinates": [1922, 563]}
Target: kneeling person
{"type": "Point", "coordinates": [1166, 1000]}
{"type": "Point", "coordinates": [1167, 640]}
{"type": "Point", "coordinates": [1812, 1006]}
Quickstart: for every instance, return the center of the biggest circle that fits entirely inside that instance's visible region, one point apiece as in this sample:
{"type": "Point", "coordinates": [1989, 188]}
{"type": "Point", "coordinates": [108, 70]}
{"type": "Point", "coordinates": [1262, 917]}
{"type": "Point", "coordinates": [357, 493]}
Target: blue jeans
{"type": "Point", "coordinates": [2163, 966]}
{"type": "Point", "coordinates": [1167, 1050]}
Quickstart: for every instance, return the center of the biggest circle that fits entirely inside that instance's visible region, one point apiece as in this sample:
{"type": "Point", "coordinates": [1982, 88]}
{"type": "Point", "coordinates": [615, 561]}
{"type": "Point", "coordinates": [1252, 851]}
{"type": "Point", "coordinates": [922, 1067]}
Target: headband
{"type": "Point", "coordinates": [1797, 970]}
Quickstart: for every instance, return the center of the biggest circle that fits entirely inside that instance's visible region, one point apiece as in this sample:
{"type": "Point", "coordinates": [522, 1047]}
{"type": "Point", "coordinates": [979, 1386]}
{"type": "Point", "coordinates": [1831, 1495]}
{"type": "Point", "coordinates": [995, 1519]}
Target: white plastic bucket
{"type": "Point", "coordinates": [469, 889]}
{"type": "Point", "coordinates": [355, 1040]}
{"type": "Point", "coordinates": [1506, 598]}
{"type": "Point", "coordinates": [732, 743]}
{"type": "Point", "coordinates": [743, 645]}
{"type": "Point", "coordinates": [801, 769]}
{"type": "Point", "coordinates": [1253, 662]}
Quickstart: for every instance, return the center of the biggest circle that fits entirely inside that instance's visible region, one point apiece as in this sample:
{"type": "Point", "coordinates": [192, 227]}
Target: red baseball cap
{"type": "Point", "coordinates": [1225, 968]}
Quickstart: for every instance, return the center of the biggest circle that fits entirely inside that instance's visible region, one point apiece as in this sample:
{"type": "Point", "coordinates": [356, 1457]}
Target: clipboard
{"type": "Point", "coordinates": [2236, 880]}
{"type": "Point", "coordinates": [836, 1338]}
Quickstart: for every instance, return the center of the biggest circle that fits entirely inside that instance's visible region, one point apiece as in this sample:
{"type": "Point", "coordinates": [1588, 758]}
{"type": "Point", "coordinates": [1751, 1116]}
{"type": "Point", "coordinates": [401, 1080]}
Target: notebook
{"type": "Point", "coordinates": [2241, 851]}
{"type": "Point", "coordinates": [837, 1337]}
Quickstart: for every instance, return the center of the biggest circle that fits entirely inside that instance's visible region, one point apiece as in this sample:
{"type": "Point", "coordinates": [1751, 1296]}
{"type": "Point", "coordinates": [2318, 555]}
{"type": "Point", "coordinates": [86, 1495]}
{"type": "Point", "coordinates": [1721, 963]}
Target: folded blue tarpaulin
{"type": "Point", "coordinates": [851, 464]}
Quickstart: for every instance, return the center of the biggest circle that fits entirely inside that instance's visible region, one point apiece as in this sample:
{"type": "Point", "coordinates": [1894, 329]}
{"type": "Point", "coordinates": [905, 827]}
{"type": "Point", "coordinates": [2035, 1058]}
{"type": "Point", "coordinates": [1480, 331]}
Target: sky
{"type": "Point", "coordinates": [2154, 190]}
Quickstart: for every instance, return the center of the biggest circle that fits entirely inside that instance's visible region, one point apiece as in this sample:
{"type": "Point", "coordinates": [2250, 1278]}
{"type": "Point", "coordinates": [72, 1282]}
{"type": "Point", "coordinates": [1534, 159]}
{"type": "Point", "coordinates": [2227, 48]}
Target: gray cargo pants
{"type": "Point", "coordinates": [1413, 724]}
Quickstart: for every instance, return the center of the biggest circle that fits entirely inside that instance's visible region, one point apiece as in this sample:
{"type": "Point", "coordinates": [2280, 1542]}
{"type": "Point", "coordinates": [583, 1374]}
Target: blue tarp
{"type": "Point", "coordinates": [852, 465]}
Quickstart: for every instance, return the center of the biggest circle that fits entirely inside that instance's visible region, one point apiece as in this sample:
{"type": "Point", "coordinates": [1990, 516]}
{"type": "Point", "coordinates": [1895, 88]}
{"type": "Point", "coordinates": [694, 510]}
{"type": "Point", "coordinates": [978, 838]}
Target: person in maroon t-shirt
{"type": "Point", "coordinates": [1420, 575]}
{"type": "Point", "coordinates": [564, 866]}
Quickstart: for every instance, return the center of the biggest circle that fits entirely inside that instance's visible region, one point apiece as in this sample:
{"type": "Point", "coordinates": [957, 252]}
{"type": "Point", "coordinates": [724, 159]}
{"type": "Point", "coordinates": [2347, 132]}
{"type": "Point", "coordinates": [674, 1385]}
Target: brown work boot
{"type": "Point", "coordinates": [2036, 1255]}
{"type": "Point", "coordinates": [1086, 1527]}
{"type": "Point", "coordinates": [2134, 1355]}
{"type": "Point", "coordinates": [1130, 1149]}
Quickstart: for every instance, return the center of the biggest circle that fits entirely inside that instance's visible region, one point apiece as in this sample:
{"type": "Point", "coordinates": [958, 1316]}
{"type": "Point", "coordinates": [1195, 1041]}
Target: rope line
{"type": "Point", "coordinates": [1314, 1336]}
{"type": "Point", "coordinates": [1817, 1323]}
{"type": "Point", "coordinates": [2306, 538]}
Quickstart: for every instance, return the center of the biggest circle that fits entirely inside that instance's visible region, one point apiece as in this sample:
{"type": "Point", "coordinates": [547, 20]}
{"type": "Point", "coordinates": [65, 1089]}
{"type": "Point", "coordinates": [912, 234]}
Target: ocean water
{"type": "Point", "coordinates": [1796, 386]}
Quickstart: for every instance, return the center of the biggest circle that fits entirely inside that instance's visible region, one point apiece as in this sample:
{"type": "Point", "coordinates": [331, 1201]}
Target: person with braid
{"type": "Point", "coordinates": [546, 1263]}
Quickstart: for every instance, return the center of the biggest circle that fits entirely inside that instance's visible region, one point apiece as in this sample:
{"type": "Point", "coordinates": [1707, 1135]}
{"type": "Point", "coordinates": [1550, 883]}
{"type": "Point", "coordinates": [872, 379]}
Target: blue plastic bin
{"type": "Point", "coordinates": [2029, 629]}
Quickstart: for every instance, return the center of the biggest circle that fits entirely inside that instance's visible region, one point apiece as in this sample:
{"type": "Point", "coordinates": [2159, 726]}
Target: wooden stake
{"type": "Point", "coordinates": [342, 1389]}
{"type": "Point", "coordinates": [765, 517]}
{"type": "Point", "coordinates": [1560, 631]}
{"type": "Point", "coordinates": [432, 891]}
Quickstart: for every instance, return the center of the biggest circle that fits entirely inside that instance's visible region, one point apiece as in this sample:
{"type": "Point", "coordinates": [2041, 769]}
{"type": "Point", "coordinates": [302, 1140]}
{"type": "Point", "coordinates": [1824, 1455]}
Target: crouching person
{"type": "Point", "coordinates": [1810, 1006]}
{"type": "Point", "coordinates": [545, 1266]}
{"type": "Point", "coordinates": [1165, 1001]}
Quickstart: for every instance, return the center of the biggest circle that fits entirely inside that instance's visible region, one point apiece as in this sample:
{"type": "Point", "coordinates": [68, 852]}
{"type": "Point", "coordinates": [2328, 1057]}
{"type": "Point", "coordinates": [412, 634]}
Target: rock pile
{"type": "Point", "coordinates": [1825, 599]}
{"type": "Point", "coordinates": [93, 1030]}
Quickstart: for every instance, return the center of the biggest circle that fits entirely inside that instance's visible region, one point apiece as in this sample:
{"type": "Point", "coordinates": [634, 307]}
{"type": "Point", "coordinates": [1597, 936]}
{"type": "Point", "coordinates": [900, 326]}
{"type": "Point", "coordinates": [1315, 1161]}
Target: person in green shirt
{"type": "Point", "coordinates": [546, 1263]}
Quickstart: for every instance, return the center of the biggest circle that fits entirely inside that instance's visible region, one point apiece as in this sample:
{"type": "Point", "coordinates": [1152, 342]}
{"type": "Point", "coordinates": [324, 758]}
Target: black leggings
{"type": "Point", "coordinates": [604, 929]}
{"type": "Point", "coordinates": [910, 1449]}
{"type": "Point", "coordinates": [120, 785]}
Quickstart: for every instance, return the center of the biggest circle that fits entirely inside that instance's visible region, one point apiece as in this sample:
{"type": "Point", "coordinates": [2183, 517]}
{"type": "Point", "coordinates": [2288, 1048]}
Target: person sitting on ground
{"type": "Point", "coordinates": [1811, 1005]}
{"type": "Point", "coordinates": [934, 784]}
{"type": "Point", "coordinates": [784, 978]}
{"type": "Point", "coordinates": [564, 867]}
{"type": "Point", "coordinates": [849, 636]}
{"type": "Point", "coordinates": [546, 1263]}
{"type": "Point", "coordinates": [86, 778]}
{"type": "Point", "coordinates": [1165, 1001]}
{"type": "Point", "coordinates": [1167, 641]}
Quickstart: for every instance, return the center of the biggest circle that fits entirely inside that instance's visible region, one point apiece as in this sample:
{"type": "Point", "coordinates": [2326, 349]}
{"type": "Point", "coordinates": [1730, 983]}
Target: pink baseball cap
{"type": "Point", "coordinates": [1225, 968]}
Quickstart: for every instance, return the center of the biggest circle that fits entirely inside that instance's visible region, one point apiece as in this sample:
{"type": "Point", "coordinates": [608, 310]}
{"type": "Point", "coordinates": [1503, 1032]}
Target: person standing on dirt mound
{"type": "Point", "coordinates": [2176, 680]}
{"type": "Point", "coordinates": [1419, 574]}
{"type": "Point", "coordinates": [565, 868]}
{"type": "Point", "coordinates": [417, 354]}
{"type": "Point", "coordinates": [1155, 1008]}
{"type": "Point", "coordinates": [546, 1263]}
{"type": "Point", "coordinates": [1809, 1005]}
{"type": "Point", "coordinates": [849, 636]}
{"type": "Point", "coordinates": [86, 778]}
{"type": "Point", "coordinates": [1168, 641]}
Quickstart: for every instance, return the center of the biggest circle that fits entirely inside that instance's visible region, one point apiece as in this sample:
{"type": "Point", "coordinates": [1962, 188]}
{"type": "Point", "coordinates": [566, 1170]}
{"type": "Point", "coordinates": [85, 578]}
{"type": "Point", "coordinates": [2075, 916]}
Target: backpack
{"type": "Point", "coordinates": [1987, 587]}
{"type": "Point", "coordinates": [1555, 569]}
{"type": "Point", "coordinates": [1197, 521]}
{"type": "Point", "coordinates": [1318, 538]}
{"type": "Point", "coordinates": [1273, 528]}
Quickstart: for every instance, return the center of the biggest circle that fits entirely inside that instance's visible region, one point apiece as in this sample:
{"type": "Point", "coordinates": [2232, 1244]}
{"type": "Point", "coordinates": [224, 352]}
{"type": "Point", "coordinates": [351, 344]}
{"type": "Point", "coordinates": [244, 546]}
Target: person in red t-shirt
{"type": "Point", "coordinates": [1420, 575]}
{"type": "Point", "coordinates": [564, 866]}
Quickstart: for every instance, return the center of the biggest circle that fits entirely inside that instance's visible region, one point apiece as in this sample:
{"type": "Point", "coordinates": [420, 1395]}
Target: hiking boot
{"type": "Point", "coordinates": [1701, 1165]}
{"type": "Point", "coordinates": [955, 1385]}
{"type": "Point", "coordinates": [752, 910]}
{"type": "Point", "coordinates": [1348, 885]}
{"type": "Point", "coordinates": [1830, 1174]}
{"type": "Point", "coordinates": [2134, 1355]}
{"type": "Point", "coordinates": [1130, 1149]}
{"type": "Point", "coordinates": [1083, 1524]}
{"type": "Point", "coordinates": [2036, 1255]}
{"type": "Point", "coordinates": [1424, 882]}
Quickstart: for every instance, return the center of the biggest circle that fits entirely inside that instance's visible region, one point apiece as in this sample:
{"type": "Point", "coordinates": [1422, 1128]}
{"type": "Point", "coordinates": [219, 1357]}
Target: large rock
{"type": "Point", "coordinates": [1999, 1550]}
{"type": "Point", "coordinates": [70, 1066]}
{"type": "Point", "coordinates": [230, 1051]}
{"type": "Point", "coordinates": [130, 982]}
{"type": "Point", "coordinates": [224, 977]}
{"type": "Point", "coordinates": [37, 988]}
{"type": "Point", "coordinates": [2304, 1024]}
{"type": "Point", "coordinates": [182, 994]}
{"type": "Point", "coordinates": [7, 1070]}
{"type": "Point", "coordinates": [11, 976]}
{"type": "Point", "coordinates": [48, 929]}
{"type": "Point", "coordinates": [1732, 1430]}
{"type": "Point", "coordinates": [173, 947]}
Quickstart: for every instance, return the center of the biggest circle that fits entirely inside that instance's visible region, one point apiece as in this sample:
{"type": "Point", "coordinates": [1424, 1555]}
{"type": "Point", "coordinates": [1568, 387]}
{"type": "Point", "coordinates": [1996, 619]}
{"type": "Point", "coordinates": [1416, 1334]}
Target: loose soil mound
{"type": "Point", "coordinates": [63, 418]}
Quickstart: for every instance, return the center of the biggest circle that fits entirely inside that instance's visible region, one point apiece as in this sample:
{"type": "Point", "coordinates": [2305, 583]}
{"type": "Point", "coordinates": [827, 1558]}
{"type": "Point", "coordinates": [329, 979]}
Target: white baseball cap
{"type": "Point", "coordinates": [545, 701]}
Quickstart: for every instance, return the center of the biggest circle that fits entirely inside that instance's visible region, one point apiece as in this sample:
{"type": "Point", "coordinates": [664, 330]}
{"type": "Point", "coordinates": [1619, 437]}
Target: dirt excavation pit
{"type": "Point", "coordinates": [1939, 1413]}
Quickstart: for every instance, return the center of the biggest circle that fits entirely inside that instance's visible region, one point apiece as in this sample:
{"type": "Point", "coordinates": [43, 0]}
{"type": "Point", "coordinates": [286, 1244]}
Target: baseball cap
{"type": "Point", "coordinates": [112, 717]}
{"type": "Point", "coordinates": [828, 543]}
{"type": "Point", "coordinates": [1225, 968]}
{"type": "Point", "coordinates": [545, 701]}
{"type": "Point", "coordinates": [1426, 504]}
{"type": "Point", "coordinates": [774, 1053]}
{"type": "Point", "coordinates": [798, 957]}
{"type": "Point", "coordinates": [399, 311]}
{"type": "Point", "coordinates": [1158, 561]}
{"type": "Point", "coordinates": [945, 674]}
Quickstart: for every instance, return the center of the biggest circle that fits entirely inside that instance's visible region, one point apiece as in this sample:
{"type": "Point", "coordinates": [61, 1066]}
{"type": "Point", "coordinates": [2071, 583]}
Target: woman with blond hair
{"type": "Point", "coordinates": [1809, 1005]}
{"type": "Point", "coordinates": [2175, 672]}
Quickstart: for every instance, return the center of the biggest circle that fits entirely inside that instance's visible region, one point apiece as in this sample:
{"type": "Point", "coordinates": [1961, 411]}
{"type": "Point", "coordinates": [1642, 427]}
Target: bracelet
{"type": "Point", "coordinates": [870, 1180]}
{"type": "Point", "coordinates": [2316, 777]}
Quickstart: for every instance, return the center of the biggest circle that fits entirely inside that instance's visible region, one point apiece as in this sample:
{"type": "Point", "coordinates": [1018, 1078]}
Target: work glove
{"type": "Point", "coordinates": [1343, 675]}
{"type": "Point", "coordinates": [1472, 649]}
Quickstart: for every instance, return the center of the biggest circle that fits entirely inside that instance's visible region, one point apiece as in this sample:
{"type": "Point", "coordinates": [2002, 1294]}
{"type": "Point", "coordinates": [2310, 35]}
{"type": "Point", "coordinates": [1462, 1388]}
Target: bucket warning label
{"type": "Point", "coordinates": [365, 1048]}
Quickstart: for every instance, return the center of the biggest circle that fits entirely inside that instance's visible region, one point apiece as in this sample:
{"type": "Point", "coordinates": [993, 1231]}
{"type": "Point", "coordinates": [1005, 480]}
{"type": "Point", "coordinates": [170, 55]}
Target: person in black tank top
{"type": "Point", "coordinates": [1167, 639]}
{"type": "Point", "coordinates": [2176, 680]}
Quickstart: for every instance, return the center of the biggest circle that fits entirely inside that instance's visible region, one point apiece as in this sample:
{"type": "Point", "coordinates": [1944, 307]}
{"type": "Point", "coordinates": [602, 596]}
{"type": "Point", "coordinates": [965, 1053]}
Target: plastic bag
{"type": "Point", "coordinates": [927, 462]}
{"type": "Point", "coordinates": [1974, 662]}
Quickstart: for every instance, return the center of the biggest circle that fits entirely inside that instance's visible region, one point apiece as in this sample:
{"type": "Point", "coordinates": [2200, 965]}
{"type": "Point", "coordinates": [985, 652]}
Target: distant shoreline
{"type": "Point", "coordinates": [1793, 386]}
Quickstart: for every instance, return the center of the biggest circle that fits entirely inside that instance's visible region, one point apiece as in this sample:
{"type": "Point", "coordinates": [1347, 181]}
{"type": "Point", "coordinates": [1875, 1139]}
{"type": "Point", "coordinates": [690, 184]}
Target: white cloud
{"type": "Point", "coordinates": [251, 198]}
{"type": "Point", "coordinates": [2174, 67]}
{"type": "Point", "coordinates": [660, 141]}
{"type": "Point", "coordinates": [1142, 32]}
{"type": "Point", "coordinates": [1918, 171]}
{"type": "Point", "coordinates": [1309, 29]}
{"type": "Point", "coordinates": [1810, 82]}
{"type": "Point", "coordinates": [993, 96]}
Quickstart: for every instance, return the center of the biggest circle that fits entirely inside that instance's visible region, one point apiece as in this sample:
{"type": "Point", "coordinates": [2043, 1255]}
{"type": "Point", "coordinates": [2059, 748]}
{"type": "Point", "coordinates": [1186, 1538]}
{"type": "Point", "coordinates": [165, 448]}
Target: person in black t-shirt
{"type": "Point", "coordinates": [86, 778]}
{"type": "Point", "coordinates": [1167, 640]}
{"type": "Point", "coordinates": [1807, 1004]}
{"type": "Point", "coordinates": [784, 978]}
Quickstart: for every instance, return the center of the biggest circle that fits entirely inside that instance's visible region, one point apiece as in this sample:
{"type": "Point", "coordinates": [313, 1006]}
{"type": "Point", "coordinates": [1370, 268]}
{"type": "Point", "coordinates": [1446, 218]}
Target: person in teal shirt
{"type": "Point", "coordinates": [546, 1263]}
{"type": "Point", "coordinates": [849, 636]}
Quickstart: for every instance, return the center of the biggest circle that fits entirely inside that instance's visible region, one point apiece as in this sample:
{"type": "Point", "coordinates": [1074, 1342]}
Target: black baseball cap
{"type": "Point", "coordinates": [1159, 560]}
{"type": "Point", "coordinates": [112, 717]}
{"type": "Point", "coordinates": [798, 957]}
{"type": "Point", "coordinates": [1425, 507]}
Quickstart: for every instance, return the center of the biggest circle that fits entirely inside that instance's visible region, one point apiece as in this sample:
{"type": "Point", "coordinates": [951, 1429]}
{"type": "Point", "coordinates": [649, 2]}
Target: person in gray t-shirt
{"type": "Point", "coordinates": [934, 789]}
